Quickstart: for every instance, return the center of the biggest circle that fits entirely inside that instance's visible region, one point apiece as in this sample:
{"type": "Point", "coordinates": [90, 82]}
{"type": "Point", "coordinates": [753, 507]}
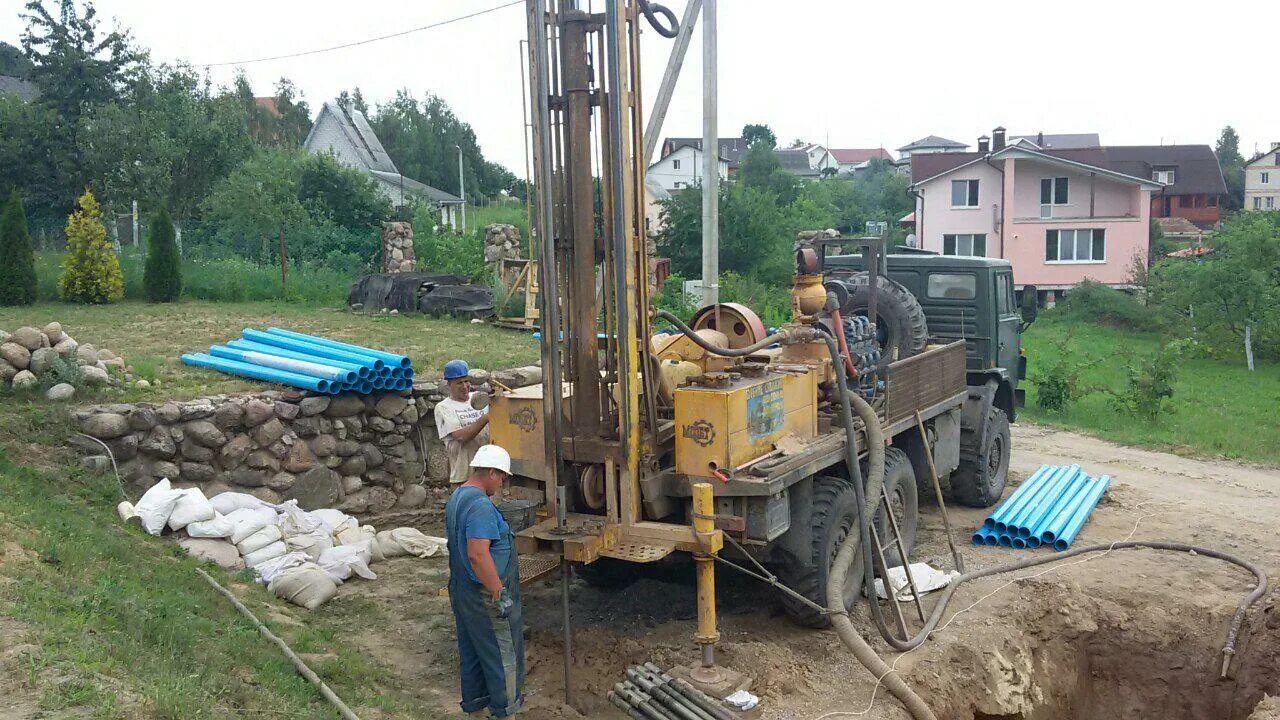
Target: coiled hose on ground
{"type": "Point", "coordinates": [868, 493]}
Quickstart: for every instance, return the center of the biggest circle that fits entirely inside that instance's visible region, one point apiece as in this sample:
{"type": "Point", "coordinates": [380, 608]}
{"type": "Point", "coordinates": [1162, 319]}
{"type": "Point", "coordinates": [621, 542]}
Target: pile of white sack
{"type": "Point", "coordinates": [300, 556]}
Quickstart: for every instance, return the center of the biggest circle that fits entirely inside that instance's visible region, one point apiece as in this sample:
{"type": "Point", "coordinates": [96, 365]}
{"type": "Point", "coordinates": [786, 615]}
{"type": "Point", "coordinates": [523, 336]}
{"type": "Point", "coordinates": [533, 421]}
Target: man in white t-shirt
{"type": "Point", "coordinates": [462, 427]}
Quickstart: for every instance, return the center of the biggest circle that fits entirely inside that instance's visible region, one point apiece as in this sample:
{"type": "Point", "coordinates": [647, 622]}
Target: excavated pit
{"type": "Point", "coordinates": [1077, 654]}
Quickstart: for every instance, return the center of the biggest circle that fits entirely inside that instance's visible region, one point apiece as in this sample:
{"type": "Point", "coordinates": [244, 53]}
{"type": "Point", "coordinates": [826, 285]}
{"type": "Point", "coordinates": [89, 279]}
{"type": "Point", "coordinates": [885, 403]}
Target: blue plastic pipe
{"type": "Point", "coordinates": [1082, 514]}
{"type": "Point", "coordinates": [1027, 501]}
{"type": "Point", "coordinates": [1066, 500]}
{"type": "Point", "coordinates": [241, 344]}
{"type": "Point", "coordinates": [366, 387]}
{"type": "Point", "coordinates": [391, 359]}
{"type": "Point", "coordinates": [259, 372]}
{"type": "Point", "coordinates": [1029, 504]}
{"type": "Point", "coordinates": [1046, 499]}
{"type": "Point", "coordinates": [1049, 530]}
{"type": "Point", "coordinates": [302, 367]}
{"type": "Point", "coordinates": [1027, 487]}
{"type": "Point", "coordinates": [320, 351]}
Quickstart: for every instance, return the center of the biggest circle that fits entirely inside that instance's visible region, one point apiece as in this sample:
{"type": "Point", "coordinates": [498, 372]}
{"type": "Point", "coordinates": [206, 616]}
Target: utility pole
{"type": "Point", "coordinates": [710, 161]}
{"type": "Point", "coordinates": [462, 189]}
{"type": "Point", "coordinates": [134, 223]}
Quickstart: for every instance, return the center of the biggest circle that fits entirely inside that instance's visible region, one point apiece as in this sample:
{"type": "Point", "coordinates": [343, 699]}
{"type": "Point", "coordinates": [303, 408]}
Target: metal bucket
{"type": "Point", "coordinates": [519, 514]}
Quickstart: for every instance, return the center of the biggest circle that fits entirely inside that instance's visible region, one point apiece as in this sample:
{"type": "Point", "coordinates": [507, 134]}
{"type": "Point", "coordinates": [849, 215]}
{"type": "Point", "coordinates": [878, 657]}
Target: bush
{"type": "Point", "coordinates": [675, 300]}
{"type": "Point", "coordinates": [91, 271]}
{"type": "Point", "coordinates": [17, 261]}
{"type": "Point", "coordinates": [1149, 381]}
{"type": "Point", "coordinates": [162, 276]}
{"type": "Point", "coordinates": [771, 303]}
{"type": "Point", "coordinates": [1058, 380]}
{"type": "Point", "coordinates": [1091, 301]}
{"type": "Point", "coordinates": [63, 370]}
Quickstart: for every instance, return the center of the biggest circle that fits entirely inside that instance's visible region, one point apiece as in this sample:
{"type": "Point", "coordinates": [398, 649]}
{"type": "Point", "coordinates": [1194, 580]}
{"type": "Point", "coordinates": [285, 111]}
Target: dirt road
{"type": "Point", "coordinates": [1133, 634]}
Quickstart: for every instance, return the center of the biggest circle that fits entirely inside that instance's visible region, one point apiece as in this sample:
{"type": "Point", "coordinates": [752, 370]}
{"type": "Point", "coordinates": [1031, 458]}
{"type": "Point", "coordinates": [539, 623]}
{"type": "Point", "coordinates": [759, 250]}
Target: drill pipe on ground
{"type": "Point", "coordinates": [706, 702]}
{"type": "Point", "coordinates": [657, 689]}
{"type": "Point", "coordinates": [644, 703]}
{"type": "Point", "coordinates": [622, 705]}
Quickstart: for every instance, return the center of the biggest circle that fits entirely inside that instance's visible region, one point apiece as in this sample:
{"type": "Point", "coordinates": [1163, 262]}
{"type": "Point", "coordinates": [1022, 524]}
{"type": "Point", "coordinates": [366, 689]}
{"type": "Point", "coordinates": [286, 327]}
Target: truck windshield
{"type": "Point", "coordinates": [952, 286]}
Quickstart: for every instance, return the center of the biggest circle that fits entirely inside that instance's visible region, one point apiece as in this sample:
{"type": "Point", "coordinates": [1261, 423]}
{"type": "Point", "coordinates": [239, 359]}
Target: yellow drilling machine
{"type": "Point", "coordinates": [650, 435]}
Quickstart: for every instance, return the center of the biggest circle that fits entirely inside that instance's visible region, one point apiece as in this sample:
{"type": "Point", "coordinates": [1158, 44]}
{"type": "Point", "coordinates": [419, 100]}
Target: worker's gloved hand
{"type": "Point", "coordinates": [503, 604]}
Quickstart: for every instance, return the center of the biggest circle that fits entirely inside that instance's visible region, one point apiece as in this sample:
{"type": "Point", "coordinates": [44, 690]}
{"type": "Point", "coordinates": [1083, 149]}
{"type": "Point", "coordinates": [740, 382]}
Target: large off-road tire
{"type": "Point", "coordinates": [984, 462]}
{"type": "Point", "coordinates": [900, 486]}
{"type": "Point", "coordinates": [833, 515]}
{"type": "Point", "coordinates": [903, 330]}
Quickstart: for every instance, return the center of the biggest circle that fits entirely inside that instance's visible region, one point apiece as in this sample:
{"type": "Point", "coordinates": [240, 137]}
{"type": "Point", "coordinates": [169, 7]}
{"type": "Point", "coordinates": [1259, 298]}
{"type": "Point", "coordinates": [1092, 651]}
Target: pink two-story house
{"type": "Point", "coordinates": [1059, 216]}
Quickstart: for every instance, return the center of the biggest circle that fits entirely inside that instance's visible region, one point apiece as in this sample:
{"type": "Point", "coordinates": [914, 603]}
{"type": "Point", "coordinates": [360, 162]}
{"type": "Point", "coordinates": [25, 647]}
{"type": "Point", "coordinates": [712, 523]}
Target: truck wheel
{"type": "Point", "coordinates": [900, 485]}
{"type": "Point", "coordinates": [903, 330]}
{"type": "Point", "coordinates": [833, 515]}
{"type": "Point", "coordinates": [984, 462]}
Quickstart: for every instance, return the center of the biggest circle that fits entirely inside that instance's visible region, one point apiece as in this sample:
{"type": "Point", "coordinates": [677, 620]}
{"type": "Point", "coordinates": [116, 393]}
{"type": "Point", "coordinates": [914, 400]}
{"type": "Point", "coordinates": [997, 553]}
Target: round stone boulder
{"type": "Point", "coordinates": [53, 331]}
{"type": "Point", "coordinates": [41, 360]}
{"type": "Point", "coordinates": [25, 380]}
{"type": "Point", "coordinates": [28, 337]}
{"type": "Point", "coordinates": [94, 375]}
{"type": "Point", "coordinates": [61, 391]}
{"type": "Point", "coordinates": [15, 354]}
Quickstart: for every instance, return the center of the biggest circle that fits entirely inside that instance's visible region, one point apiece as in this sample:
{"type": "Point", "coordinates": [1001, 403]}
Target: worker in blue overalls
{"type": "Point", "coordinates": [484, 590]}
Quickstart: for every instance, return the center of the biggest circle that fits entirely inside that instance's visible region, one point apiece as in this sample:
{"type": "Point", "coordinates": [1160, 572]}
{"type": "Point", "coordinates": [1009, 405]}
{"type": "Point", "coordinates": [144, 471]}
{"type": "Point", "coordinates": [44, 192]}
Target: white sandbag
{"type": "Point", "coordinates": [259, 539]}
{"type": "Point", "coordinates": [219, 552]}
{"type": "Point", "coordinates": [409, 541]}
{"type": "Point", "coordinates": [155, 506]}
{"type": "Point", "coordinates": [269, 570]}
{"type": "Point", "coordinates": [250, 520]}
{"type": "Point", "coordinates": [332, 518]}
{"type": "Point", "coordinates": [307, 585]}
{"type": "Point", "coordinates": [313, 543]}
{"type": "Point", "coordinates": [340, 562]}
{"type": "Point", "coordinates": [350, 533]}
{"type": "Point", "coordinates": [191, 507]}
{"type": "Point", "coordinates": [228, 502]}
{"type": "Point", "coordinates": [221, 526]}
{"type": "Point", "coordinates": [296, 521]}
{"type": "Point", "coordinates": [257, 557]}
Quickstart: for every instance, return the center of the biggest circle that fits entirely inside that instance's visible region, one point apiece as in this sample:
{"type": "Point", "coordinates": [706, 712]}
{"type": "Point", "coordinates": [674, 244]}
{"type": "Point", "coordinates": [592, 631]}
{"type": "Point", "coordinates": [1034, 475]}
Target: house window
{"type": "Point", "coordinates": [964, 193]}
{"type": "Point", "coordinates": [1213, 201]}
{"type": "Point", "coordinates": [965, 245]}
{"type": "Point", "coordinates": [1067, 246]}
{"type": "Point", "coordinates": [1053, 191]}
{"type": "Point", "coordinates": [1257, 203]}
{"type": "Point", "coordinates": [1266, 178]}
{"type": "Point", "coordinates": [678, 185]}
{"type": "Point", "coordinates": [1163, 176]}
{"type": "Point", "coordinates": [675, 164]}
{"type": "Point", "coordinates": [1271, 202]}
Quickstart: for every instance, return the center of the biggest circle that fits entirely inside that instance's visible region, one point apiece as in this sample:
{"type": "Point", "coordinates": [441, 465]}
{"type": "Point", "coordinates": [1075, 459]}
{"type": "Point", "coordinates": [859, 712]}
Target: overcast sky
{"type": "Point", "coordinates": [839, 72]}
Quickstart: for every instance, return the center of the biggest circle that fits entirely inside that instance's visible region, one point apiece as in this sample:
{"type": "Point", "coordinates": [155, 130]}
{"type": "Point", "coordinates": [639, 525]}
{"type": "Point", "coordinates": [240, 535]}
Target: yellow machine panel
{"type": "Point", "coordinates": [515, 423]}
{"type": "Point", "coordinates": [727, 426]}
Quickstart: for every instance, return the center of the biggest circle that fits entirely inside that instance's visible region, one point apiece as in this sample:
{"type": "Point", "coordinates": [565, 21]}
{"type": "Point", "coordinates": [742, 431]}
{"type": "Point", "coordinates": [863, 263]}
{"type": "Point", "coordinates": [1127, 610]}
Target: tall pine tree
{"type": "Point", "coordinates": [162, 276]}
{"type": "Point", "coordinates": [90, 271]}
{"type": "Point", "coordinates": [17, 261]}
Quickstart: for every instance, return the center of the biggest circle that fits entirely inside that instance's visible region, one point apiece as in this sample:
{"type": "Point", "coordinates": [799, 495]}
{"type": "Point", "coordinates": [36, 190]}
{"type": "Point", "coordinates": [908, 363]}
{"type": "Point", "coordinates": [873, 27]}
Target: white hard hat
{"type": "Point", "coordinates": [492, 456]}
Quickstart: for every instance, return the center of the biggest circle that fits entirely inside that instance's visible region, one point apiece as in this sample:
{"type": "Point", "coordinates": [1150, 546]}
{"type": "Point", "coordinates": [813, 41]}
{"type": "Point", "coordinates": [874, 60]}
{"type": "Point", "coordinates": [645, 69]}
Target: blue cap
{"type": "Point", "coordinates": [455, 369]}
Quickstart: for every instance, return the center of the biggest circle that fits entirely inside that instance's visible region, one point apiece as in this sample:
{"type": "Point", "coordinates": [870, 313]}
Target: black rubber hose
{"type": "Point", "coordinates": [723, 352]}
{"type": "Point", "coordinates": [651, 12]}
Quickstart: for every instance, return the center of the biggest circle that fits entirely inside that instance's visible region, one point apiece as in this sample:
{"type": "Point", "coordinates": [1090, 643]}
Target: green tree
{"type": "Point", "coordinates": [75, 65]}
{"type": "Point", "coordinates": [35, 156]}
{"type": "Point", "coordinates": [162, 276]}
{"type": "Point", "coordinates": [1232, 165]}
{"type": "Point", "coordinates": [90, 271]}
{"type": "Point", "coordinates": [17, 261]}
{"type": "Point", "coordinates": [13, 63]}
{"type": "Point", "coordinates": [761, 170]}
{"type": "Point", "coordinates": [423, 139]}
{"type": "Point", "coordinates": [343, 195]}
{"type": "Point", "coordinates": [753, 133]}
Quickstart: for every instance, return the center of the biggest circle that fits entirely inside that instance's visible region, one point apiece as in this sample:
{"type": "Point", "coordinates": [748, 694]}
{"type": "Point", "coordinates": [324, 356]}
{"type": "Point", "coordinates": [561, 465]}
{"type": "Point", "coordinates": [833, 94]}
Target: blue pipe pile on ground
{"type": "Point", "coordinates": [1049, 508]}
{"type": "Point", "coordinates": [308, 362]}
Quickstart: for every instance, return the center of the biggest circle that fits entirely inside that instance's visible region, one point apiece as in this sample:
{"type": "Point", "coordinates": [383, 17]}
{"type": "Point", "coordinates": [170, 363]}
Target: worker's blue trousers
{"type": "Point", "coordinates": [490, 648]}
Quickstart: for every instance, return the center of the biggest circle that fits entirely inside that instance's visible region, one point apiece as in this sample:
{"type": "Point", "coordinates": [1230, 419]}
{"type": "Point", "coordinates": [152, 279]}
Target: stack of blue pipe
{"type": "Point", "coordinates": [308, 362]}
{"type": "Point", "coordinates": [1048, 509]}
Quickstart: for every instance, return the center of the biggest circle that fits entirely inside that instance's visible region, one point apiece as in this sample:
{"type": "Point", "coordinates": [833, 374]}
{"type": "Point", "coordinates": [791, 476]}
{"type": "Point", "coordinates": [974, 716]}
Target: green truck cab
{"type": "Point", "coordinates": [945, 298]}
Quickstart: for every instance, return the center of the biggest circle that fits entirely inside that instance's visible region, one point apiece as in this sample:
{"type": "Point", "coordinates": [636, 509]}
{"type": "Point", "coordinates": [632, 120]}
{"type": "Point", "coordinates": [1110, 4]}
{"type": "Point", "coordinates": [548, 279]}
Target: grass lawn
{"type": "Point", "coordinates": [124, 628]}
{"type": "Point", "coordinates": [1219, 407]}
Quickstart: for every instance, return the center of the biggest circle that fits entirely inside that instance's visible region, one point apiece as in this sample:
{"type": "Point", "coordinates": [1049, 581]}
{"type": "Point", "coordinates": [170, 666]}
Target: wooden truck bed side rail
{"type": "Point", "coordinates": [923, 382]}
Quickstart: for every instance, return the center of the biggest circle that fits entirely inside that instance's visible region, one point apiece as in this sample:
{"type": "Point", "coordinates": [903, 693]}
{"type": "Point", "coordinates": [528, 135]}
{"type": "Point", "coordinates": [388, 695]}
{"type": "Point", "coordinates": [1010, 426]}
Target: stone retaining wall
{"type": "Point", "coordinates": [360, 454]}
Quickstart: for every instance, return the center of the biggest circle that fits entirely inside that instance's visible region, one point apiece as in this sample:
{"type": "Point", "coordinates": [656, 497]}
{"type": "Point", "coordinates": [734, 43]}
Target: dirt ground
{"type": "Point", "coordinates": [1130, 634]}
